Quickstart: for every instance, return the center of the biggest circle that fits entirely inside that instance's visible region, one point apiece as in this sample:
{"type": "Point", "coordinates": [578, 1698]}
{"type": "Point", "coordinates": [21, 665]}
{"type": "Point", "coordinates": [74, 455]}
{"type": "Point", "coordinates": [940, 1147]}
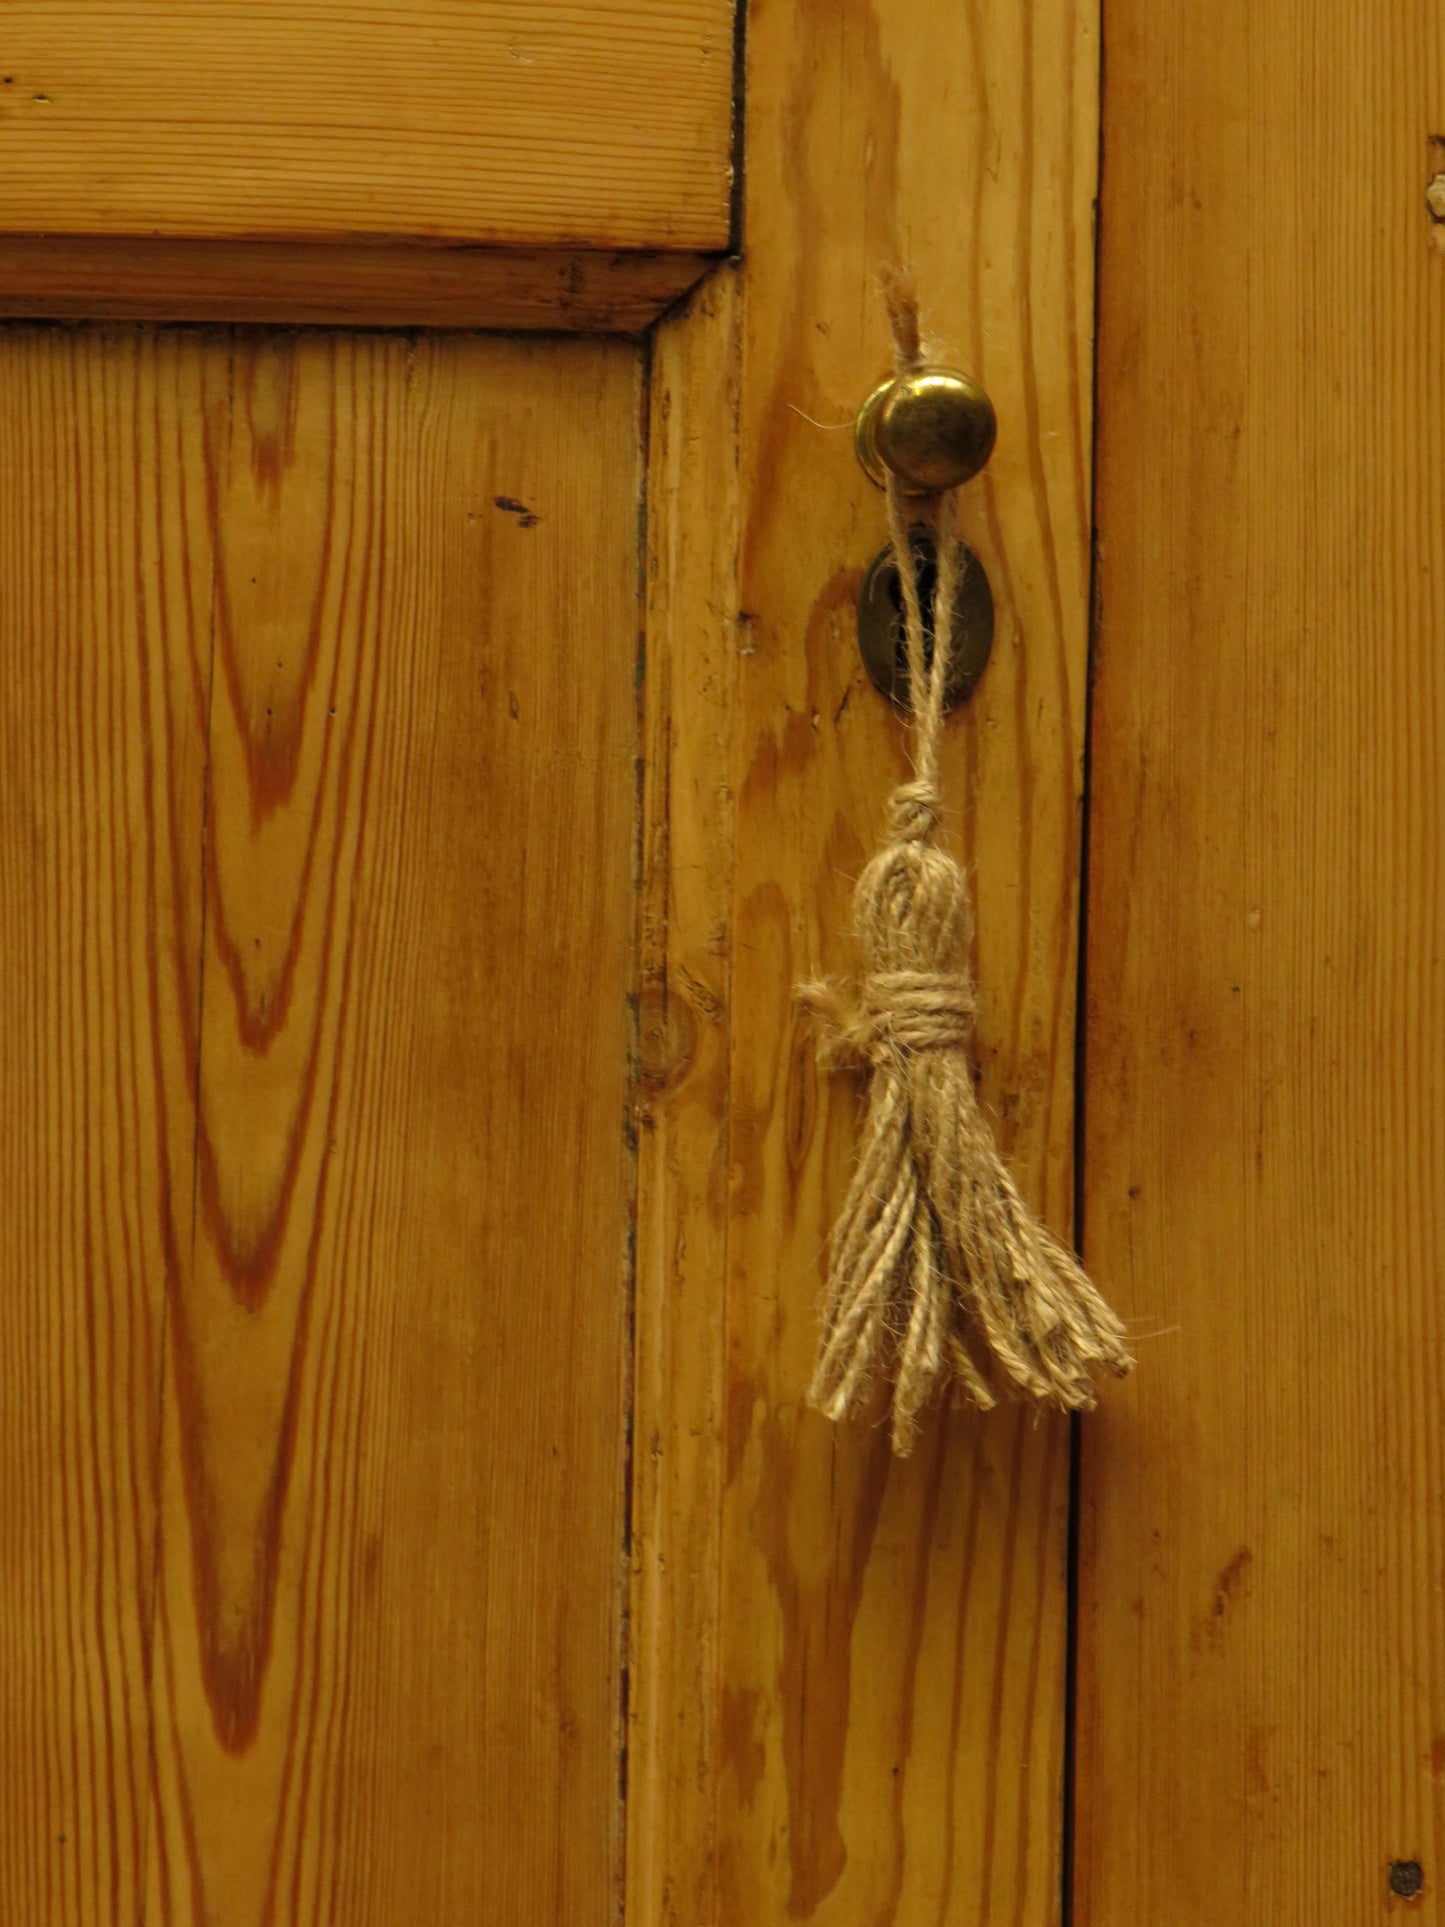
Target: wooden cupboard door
{"type": "Point", "coordinates": [317, 665]}
{"type": "Point", "coordinates": [393, 1536]}
{"type": "Point", "coordinates": [363, 1652]}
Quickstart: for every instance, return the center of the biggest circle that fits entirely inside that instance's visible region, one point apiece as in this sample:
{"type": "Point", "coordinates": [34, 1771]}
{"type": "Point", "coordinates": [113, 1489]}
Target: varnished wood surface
{"type": "Point", "coordinates": [685, 1027]}
{"type": "Point", "coordinates": [319, 779]}
{"type": "Point", "coordinates": [581, 290]}
{"type": "Point", "coordinates": [889, 1744]}
{"type": "Point", "coordinates": [101, 809]}
{"type": "Point", "coordinates": [1262, 1658]}
{"type": "Point", "coordinates": [520, 122]}
{"type": "Point", "coordinates": [515, 124]}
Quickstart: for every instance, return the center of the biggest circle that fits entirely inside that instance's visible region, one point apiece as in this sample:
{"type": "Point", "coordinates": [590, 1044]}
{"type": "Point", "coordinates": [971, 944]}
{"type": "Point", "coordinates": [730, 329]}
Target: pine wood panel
{"type": "Point", "coordinates": [688, 832]}
{"type": "Point", "coordinates": [523, 122]}
{"type": "Point", "coordinates": [358, 1118]}
{"type": "Point", "coordinates": [101, 778]}
{"type": "Point", "coordinates": [1262, 1664]}
{"type": "Point", "coordinates": [891, 1664]}
{"type": "Point", "coordinates": [258, 129]}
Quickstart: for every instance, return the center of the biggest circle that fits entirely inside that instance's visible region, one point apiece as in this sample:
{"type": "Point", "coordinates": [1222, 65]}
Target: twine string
{"type": "Point", "coordinates": [939, 1277]}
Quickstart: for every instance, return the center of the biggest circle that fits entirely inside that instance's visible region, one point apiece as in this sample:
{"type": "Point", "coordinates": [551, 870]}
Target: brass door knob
{"type": "Point", "coordinates": [933, 429]}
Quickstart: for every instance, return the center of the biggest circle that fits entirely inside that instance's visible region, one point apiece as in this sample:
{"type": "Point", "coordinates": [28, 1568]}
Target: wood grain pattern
{"type": "Point", "coordinates": [344, 744]}
{"type": "Point", "coordinates": [261, 133]}
{"type": "Point", "coordinates": [1262, 1715]}
{"type": "Point", "coordinates": [100, 277]}
{"type": "Point", "coordinates": [890, 1725]}
{"type": "Point", "coordinates": [524, 123]}
{"type": "Point", "coordinates": [101, 786]}
{"type": "Point", "coordinates": [688, 833]}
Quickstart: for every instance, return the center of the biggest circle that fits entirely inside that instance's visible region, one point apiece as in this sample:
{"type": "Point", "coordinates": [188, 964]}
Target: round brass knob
{"type": "Point", "coordinates": [933, 429]}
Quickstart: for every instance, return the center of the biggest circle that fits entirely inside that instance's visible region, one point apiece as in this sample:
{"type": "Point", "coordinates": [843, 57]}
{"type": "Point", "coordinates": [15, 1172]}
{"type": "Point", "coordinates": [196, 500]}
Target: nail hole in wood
{"type": "Point", "coordinates": [1407, 1878]}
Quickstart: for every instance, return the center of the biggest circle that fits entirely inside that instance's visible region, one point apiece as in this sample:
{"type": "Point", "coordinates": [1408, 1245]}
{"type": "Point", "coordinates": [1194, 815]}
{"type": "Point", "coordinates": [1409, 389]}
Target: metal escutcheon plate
{"type": "Point", "coordinates": [880, 622]}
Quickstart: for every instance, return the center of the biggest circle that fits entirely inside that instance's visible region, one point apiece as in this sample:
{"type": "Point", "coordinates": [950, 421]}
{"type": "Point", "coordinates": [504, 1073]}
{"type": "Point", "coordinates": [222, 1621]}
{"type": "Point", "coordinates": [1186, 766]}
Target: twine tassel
{"type": "Point", "coordinates": [939, 1276]}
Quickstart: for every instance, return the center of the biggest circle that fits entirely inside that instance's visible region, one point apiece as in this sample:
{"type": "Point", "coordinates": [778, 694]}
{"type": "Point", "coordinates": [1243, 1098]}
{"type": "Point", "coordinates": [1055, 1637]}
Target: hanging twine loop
{"type": "Point", "coordinates": [939, 1279]}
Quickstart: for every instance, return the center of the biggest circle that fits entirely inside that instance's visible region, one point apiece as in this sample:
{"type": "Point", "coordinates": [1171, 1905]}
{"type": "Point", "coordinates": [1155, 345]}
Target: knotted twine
{"type": "Point", "coordinates": [935, 1258]}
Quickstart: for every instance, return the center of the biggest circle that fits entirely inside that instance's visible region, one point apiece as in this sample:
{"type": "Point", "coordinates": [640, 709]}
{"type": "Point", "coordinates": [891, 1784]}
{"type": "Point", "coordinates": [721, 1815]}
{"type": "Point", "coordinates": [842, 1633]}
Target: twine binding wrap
{"type": "Point", "coordinates": [939, 1276]}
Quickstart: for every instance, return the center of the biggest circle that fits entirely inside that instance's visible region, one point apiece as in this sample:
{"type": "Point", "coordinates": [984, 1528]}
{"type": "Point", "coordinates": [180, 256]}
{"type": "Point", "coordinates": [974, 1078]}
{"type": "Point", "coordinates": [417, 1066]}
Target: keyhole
{"type": "Point", "coordinates": [925, 570]}
{"type": "Point", "coordinates": [882, 635]}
